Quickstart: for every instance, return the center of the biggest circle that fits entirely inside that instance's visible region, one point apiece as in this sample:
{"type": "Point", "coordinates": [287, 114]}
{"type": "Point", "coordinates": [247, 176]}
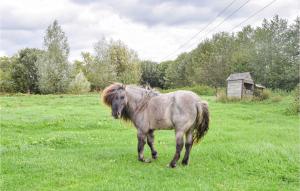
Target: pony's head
{"type": "Point", "coordinates": [115, 97]}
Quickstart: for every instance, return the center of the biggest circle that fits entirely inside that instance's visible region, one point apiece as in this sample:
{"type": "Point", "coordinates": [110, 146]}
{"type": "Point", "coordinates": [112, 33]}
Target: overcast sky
{"type": "Point", "coordinates": [153, 28]}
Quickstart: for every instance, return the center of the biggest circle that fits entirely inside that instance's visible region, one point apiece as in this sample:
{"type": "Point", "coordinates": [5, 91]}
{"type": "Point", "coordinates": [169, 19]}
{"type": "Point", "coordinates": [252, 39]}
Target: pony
{"type": "Point", "coordinates": [150, 110]}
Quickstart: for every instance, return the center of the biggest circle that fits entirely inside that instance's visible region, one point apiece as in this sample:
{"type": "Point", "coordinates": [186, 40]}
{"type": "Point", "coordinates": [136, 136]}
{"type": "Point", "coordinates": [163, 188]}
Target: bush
{"type": "Point", "coordinates": [202, 90]}
{"type": "Point", "coordinates": [258, 96]}
{"type": "Point", "coordinates": [294, 107]}
{"type": "Point", "coordinates": [222, 97]}
{"type": "Point", "coordinates": [276, 98]}
{"type": "Point", "coordinates": [79, 84]}
{"type": "Point", "coordinates": [280, 92]}
{"type": "Point", "coordinates": [266, 94]}
{"type": "Point", "coordinates": [7, 86]}
{"type": "Point", "coordinates": [262, 95]}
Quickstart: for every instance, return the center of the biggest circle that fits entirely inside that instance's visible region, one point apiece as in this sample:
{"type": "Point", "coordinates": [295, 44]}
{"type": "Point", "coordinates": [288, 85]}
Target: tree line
{"type": "Point", "coordinates": [270, 52]}
{"type": "Point", "coordinates": [48, 70]}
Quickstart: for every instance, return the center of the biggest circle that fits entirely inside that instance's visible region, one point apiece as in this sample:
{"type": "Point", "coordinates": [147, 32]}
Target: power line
{"type": "Point", "coordinates": [267, 5]}
{"type": "Point", "coordinates": [228, 17]}
{"type": "Point", "coordinates": [254, 14]}
{"type": "Point", "coordinates": [195, 35]}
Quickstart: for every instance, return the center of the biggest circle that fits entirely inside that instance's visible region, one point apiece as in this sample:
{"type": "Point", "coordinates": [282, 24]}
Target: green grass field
{"type": "Point", "coordinates": [68, 142]}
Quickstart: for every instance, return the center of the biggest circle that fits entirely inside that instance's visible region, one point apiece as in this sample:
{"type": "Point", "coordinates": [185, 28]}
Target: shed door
{"type": "Point", "coordinates": [234, 88]}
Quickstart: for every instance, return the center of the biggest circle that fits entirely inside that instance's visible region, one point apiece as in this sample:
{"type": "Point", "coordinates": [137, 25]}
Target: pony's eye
{"type": "Point", "coordinates": [122, 97]}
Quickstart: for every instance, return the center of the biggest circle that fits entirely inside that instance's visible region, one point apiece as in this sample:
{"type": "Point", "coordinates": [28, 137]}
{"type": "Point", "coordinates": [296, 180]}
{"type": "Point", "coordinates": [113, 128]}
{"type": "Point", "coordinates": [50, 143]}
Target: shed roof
{"type": "Point", "coordinates": [260, 86]}
{"type": "Point", "coordinates": [241, 76]}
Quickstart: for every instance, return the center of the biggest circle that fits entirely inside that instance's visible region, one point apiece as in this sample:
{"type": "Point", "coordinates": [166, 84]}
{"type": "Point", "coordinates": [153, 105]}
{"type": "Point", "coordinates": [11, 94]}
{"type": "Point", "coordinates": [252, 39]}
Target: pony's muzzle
{"type": "Point", "coordinates": [118, 114]}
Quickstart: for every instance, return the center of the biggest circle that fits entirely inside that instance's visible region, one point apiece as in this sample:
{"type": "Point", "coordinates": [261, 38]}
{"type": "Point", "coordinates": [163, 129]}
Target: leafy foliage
{"type": "Point", "coordinates": [53, 66]}
{"type": "Point", "coordinates": [294, 107]}
{"type": "Point", "coordinates": [113, 61]}
{"type": "Point", "coordinates": [25, 71]}
{"type": "Point", "coordinates": [270, 52]}
{"type": "Point", "coordinates": [6, 80]}
{"type": "Point", "coordinates": [153, 74]}
{"type": "Point", "coordinates": [263, 95]}
{"type": "Point", "coordinates": [79, 84]}
{"type": "Point", "coordinates": [125, 62]}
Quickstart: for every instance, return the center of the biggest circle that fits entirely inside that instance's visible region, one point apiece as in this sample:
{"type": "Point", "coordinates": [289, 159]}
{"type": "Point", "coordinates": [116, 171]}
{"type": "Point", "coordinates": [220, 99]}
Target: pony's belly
{"type": "Point", "coordinates": [159, 112]}
{"type": "Point", "coordinates": [161, 123]}
{"type": "Point", "coordinates": [164, 128]}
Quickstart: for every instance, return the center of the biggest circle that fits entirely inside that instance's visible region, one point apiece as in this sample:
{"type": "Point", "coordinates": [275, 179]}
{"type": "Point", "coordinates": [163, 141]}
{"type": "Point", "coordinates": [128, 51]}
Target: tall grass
{"type": "Point", "coordinates": [262, 95]}
{"type": "Point", "coordinates": [258, 96]}
{"type": "Point", "coordinates": [294, 107]}
{"type": "Point", "coordinates": [267, 94]}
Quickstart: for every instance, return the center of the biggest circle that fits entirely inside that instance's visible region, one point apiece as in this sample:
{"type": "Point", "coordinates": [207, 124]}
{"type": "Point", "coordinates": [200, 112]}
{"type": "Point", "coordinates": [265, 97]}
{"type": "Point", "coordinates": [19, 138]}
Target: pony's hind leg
{"type": "Point", "coordinates": [150, 142]}
{"type": "Point", "coordinates": [188, 146]}
{"type": "Point", "coordinates": [179, 145]}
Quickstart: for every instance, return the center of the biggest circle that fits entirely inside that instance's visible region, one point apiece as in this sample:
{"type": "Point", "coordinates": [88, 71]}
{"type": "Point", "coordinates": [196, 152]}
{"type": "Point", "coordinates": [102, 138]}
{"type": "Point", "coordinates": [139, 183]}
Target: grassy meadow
{"type": "Point", "coordinates": [70, 142]}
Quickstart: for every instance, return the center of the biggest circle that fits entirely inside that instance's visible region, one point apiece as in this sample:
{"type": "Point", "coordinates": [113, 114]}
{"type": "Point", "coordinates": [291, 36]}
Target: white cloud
{"type": "Point", "coordinates": [153, 28]}
{"type": "Point", "coordinates": [2, 53]}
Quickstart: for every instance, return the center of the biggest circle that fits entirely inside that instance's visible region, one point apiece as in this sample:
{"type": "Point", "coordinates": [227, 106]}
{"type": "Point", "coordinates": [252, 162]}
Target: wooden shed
{"type": "Point", "coordinates": [239, 85]}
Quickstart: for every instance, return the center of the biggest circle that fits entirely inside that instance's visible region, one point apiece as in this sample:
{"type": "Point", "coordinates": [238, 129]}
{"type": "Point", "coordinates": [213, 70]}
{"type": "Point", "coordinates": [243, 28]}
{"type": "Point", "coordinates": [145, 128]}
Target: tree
{"type": "Point", "coordinates": [176, 73]}
{"type": "Point", "coordinates": [25, 71]}
{"type": "Point", "coordinates": [6, 81]}
{"type": "Point", "coordinates": [125, 62]}
{"type": "Point", "coordinates": [162, 68]}
{"type": "Point", "coordinates": [53, 66]}
{"type": "Point", "coordinates": [79, 84]}
{"type": "Point", "coordinates": [244, 51]}
{"type": "Point", "coordinates": [77, 67]}
{"type": "Point", "coordinates": [98, 69]}
{"type": "Point", "coordinates": [270, 52]}
{"type": "Point", "coordinates": [218, 66]}
{"type": "Point", "coordinates": [113, 61]}
{"type": "Point", "coordinates": [277, 58]}
{"type": "Point", "coordinates": [151, 74]}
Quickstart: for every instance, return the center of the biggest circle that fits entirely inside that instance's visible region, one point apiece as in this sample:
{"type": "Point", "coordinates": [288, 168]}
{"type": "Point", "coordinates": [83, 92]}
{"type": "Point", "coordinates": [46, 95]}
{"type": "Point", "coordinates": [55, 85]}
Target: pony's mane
{"type": "Point", "coordinates": [145, 95]}
{"type": "Point", "coordinates": [146, 91]}
{"type": "Point", "coordinates": [109, 93]}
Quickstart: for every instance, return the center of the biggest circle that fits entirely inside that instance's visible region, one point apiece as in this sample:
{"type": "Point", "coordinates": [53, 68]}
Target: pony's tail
{"type": "Point", "coordinates": [202, 121]}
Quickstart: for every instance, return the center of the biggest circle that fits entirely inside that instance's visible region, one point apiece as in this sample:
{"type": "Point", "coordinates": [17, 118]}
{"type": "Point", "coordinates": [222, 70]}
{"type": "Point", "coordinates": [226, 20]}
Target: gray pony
{"type": "Point", "coordinates": [149, 110]}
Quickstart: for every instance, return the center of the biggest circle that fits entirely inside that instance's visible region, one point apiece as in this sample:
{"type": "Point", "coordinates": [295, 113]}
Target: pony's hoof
{"type": "Point", "coordinates": [147, 160]}
{"type": "Point", "coordinates": [154, 156]}
{"type": "Point", "coordinates": [184, 163]}
{"type": "Point", "coordinates": [172, 165]}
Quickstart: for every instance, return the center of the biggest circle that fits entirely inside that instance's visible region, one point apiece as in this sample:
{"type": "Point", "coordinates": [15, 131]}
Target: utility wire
{"type": "Point", "coordinates": [235, 11]}
{"type": "Point", "coordinates": [226, 18]}
{"type": "Point", "coordinates": [254, 14]}
{"type": "Point", "coordinates": [248, 18]}
{"type": "Point", "coordinates": [195, 35]}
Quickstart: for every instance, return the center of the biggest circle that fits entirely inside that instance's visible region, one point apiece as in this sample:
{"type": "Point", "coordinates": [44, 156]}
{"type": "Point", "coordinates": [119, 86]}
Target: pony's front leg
{"type": "Point", "coordinates": [141, 143]}
{"type": "Point", "coordinates": [150, 142]}
{"type": "Point", "coordinates": [179, 146]}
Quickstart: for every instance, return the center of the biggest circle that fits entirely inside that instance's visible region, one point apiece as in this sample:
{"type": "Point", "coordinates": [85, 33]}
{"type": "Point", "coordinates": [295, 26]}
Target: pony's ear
{"type": "Point", "coordinates": [123, 86]}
